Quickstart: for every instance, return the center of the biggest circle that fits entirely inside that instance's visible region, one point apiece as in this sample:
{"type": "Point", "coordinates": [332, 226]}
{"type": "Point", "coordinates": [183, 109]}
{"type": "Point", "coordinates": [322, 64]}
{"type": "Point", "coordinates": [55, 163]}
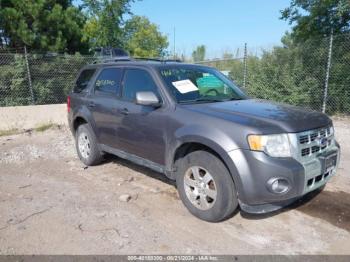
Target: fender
{"type": "Point", "coordinates": [209, 138]}
{"type": "Point", "coordinates": [84, 113]}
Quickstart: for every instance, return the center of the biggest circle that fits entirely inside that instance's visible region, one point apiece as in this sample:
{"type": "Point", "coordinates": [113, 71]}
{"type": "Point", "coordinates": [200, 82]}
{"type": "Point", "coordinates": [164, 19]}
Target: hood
{"type": "Point", "coordinates": [262, 113]}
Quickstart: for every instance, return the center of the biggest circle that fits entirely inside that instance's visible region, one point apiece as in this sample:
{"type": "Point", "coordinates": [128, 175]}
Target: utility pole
{"type": "Point", "coordinates": [245, 66]}
{"type": "Point", "coordinates": [29, 75]}
{"type": "Point", "coordinates": [174, 53]}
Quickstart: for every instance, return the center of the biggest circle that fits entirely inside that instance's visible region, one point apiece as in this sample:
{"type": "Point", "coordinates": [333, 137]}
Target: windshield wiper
{"type": "Point", "coordinates": [234, 99]}
{"type": "Point", "coordinates": [202, 100]}
{"type": "Point", "coordinates": [210, 100]}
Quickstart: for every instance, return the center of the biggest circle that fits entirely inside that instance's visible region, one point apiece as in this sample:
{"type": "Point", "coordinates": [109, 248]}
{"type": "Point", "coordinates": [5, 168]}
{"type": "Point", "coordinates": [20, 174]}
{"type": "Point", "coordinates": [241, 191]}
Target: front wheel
{"type": "Point", "coordinates": [205, 186]}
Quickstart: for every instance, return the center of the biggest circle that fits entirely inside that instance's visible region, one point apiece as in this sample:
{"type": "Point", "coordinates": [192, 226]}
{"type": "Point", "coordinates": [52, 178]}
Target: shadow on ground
{"type": "Point", "coordinates": [137, 168]}
{"type": "Point", "coordinates": [333, 207]}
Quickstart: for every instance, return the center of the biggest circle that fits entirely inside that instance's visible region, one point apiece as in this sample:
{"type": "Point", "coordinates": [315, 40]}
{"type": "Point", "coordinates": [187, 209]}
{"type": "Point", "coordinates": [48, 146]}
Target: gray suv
{"type": "Point", "coordinates": [196, 126]}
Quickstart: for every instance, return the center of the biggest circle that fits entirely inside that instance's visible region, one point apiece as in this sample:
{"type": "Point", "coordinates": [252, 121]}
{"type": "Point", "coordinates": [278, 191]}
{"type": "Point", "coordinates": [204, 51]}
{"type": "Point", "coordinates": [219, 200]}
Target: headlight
{"type": "Point", "coordinates": [273, 145]}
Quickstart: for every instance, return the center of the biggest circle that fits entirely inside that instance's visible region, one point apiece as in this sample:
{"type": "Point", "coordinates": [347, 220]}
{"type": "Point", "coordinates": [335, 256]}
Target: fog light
{"type": "Point", "coordinates": [278, 185]}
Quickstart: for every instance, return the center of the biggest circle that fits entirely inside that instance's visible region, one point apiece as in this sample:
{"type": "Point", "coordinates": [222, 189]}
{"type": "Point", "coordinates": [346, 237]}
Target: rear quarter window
{"type": "Point", "coordinates": [83, 80]}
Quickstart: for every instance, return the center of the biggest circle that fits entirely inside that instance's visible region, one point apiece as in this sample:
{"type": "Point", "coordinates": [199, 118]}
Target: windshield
{"type": "Point", "coordinates": [195, 84]}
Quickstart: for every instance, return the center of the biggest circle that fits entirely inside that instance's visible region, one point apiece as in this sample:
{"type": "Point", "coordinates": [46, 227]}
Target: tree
{"type": "Point", "coordinates": [199, 53]}
{"type": "Point", "coordinates": [143, 39]}
{"type": "Point", "coordinates": [53, 25]}
{"type": "Point", "coordinates": [105, 22]}
{"type": "Point", "coordinates": [317, 17]}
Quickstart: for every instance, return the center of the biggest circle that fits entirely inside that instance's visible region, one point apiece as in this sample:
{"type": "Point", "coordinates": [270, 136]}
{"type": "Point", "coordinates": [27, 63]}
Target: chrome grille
{"type": "Point", "coordinates": [315, 141]}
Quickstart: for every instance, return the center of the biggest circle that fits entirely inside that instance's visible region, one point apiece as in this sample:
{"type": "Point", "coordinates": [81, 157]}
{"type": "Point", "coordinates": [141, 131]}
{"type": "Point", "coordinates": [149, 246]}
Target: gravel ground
{"type": "Point", "coordinates": [50, 203]}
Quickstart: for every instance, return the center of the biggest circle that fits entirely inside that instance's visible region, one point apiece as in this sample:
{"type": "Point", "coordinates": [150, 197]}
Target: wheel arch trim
{"type": "Point", "coordinates": [86, 115]}
{"type": "Point", "coordinates": [213, 146]}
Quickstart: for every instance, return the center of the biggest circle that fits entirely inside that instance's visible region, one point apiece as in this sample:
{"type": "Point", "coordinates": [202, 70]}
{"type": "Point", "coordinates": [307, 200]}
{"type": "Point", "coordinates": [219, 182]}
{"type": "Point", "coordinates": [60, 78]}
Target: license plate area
{"type": "Point", "coordinates": [329, 162]}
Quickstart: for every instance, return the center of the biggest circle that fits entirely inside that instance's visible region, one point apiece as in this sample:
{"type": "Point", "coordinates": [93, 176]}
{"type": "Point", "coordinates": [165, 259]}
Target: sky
{"type": "Point", "coordinates": [221, 25]}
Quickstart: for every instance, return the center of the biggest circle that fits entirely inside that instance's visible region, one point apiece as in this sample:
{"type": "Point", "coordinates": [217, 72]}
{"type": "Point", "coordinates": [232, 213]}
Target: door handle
{"type": "Point", "coordinates": [91, 104]}
{"type": "Point", "coordinates": [124, 111]}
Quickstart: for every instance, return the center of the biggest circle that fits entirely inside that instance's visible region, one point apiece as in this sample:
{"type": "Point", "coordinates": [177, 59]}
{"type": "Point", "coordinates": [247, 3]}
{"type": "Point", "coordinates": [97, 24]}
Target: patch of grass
{"type": "Point", "coordinates": [15, 131]}
{"type": "Point", "coordinates": [44, 127]}
{"type": "Point", "coordinates": [9, 132]}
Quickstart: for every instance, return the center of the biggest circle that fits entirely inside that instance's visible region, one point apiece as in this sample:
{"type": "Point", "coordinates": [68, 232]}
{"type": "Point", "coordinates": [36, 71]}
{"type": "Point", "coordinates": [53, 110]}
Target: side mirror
{"type": "Point", "coordinates": [147, 98]}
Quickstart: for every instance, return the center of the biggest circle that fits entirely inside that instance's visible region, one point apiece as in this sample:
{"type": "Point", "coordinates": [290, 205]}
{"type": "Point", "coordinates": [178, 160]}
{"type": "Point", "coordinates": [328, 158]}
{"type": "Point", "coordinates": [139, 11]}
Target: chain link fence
{"type": "Point", "coordinates": [313, 74]}
{"type": "Point", "coordinates": [37, 79]}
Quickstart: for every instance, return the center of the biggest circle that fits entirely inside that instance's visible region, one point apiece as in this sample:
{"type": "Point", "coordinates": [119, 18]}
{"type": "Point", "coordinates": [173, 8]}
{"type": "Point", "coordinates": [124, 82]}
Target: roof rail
{"type": "Point", "coordinates": [127, 59]}
{"type": "Point", "coordinates": [113, 60]}
{"type": "Point", "coordinates": [117, 59]}
{"type": "Point", "coordinates": [163, 60]}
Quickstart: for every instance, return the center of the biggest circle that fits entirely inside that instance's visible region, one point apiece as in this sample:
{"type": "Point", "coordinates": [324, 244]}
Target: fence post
{"type": "Point", "coordinates": [329, 60]}
{"type": "Point", "coordinates": [29, 75]}
{"type": "Point", "coordinates": [245, 66]}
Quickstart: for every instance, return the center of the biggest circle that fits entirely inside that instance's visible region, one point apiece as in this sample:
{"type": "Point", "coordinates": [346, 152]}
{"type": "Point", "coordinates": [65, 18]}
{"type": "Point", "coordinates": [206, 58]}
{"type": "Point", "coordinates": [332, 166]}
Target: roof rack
{"type": "Point", "coordinates": [112, 55]}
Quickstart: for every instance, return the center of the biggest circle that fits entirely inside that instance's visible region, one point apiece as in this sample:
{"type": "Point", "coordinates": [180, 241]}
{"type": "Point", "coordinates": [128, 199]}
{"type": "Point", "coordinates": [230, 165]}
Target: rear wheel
{"type": "Point", "coordinates": [86, 146]}
{"type": "Point", "coordinates": [205, 186]}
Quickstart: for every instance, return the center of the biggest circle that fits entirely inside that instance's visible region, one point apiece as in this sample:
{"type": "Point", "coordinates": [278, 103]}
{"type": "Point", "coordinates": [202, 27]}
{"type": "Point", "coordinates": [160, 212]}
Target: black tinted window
{"type": "Point", "coordinates": [137, 80]}
{"type": "Point", "coordinates": [83, 80]}
{"type": "Point", "coordinates": [109, 80]}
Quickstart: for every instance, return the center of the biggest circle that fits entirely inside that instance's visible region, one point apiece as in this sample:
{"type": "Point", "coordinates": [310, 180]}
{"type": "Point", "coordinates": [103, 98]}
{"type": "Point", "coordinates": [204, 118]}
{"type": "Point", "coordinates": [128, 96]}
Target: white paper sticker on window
{"type": "Point", "coordinates": [185, 86]}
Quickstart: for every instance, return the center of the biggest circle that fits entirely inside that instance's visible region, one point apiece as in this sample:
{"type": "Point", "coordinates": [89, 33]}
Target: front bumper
{"type": "Point", "coordinates": [255, 169]}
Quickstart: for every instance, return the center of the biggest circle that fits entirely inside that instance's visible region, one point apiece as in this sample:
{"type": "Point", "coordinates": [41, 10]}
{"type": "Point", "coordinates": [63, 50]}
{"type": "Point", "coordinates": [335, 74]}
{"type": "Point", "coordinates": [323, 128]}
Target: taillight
{"type": "Point", "coordinates": [68, 104]}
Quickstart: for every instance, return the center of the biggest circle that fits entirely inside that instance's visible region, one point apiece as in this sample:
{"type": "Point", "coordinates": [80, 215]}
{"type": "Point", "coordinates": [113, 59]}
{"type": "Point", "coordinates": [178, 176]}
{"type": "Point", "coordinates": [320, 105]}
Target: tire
{"type": "Point", "coordinates": [86, 146]}
{"type": "Point", "coordinates": [199, 197]}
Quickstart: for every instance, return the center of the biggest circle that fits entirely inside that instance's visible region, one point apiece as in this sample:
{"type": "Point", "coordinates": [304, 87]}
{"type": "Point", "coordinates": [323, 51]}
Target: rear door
{"type": "Point", "coordinates": [104, 103]}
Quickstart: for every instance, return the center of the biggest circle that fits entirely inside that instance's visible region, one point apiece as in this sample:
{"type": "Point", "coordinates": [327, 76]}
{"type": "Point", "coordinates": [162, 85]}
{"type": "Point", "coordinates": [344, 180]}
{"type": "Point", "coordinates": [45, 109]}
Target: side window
{"type": "Point", "coordinates": [83, 80]}
{"type": "Point", "coordinates": [137, 80]}
{"type": "Point", "coordinates": [108, 81]}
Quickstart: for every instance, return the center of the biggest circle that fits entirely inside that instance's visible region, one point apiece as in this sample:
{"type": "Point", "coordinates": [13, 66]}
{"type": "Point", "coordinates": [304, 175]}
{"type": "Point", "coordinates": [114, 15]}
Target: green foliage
{"type": "Point", "coordinates": [50, 25]}
{"type": "Point", "coordinates": [339, 82]}
{"type": "Point", "coordinates": [295, 73]}
{"type": "Point", "coordinates": [105, 22]}
{"type": "Point", "coordinates": [315, 18]}
{"type": "Point", "coordinates": [199, 53]}
{"type": "Point", "coordinates": [13, 81]}
{"type": "Point", "coordinates": [52, 78]}
{"type": "Point", "coordinates": [58, 26]}
{"type": "Point", "coordinates": [143, 39]}
{"type": "Point", "coordinates": [44, 127]}
{"type": "Point", "coordinates": [9, 132]}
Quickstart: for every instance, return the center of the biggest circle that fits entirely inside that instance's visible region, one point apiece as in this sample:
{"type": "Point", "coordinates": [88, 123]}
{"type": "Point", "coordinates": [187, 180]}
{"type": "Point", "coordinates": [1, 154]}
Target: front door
{"type": "Point", "coordinates": [142, 129]}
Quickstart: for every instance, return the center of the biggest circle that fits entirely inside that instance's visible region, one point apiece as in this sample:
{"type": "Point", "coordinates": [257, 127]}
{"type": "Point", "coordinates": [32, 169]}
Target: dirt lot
{"type": "Point", "coordinates": [51, 204]}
